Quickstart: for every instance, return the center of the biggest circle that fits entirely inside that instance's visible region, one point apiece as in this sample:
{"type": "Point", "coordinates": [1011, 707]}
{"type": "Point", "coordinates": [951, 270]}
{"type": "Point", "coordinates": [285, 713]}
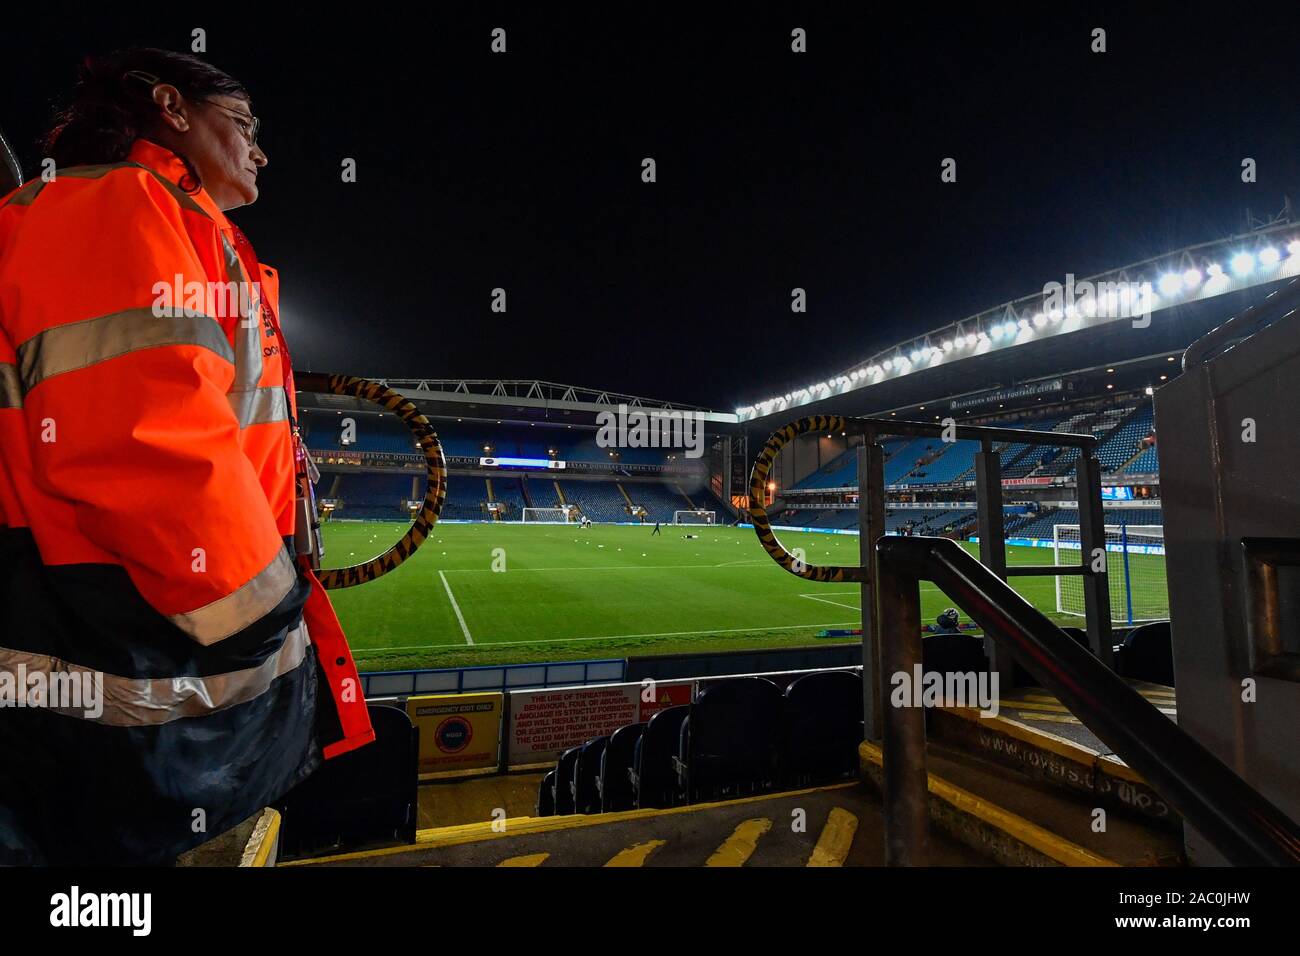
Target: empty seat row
{"type": "Point", "coordinates": [741, 736]}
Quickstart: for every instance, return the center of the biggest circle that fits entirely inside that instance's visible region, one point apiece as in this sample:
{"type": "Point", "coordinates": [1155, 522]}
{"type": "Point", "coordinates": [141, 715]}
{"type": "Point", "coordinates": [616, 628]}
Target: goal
{"type": "Point", "coordinates": [549, 515]}
{"type": "Point", "coordinates": [1135, 569]}
{"type": "Point", "coordinates": [694, 517]}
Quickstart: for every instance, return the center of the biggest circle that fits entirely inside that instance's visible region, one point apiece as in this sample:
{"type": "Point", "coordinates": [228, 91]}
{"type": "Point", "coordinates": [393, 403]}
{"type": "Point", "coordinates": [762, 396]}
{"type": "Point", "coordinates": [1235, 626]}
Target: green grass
{"type": "Point", "coordinates": [610, 591]}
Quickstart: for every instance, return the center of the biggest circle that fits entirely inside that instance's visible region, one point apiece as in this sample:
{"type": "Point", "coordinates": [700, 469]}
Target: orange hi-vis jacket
{"type": "Point", "coordinates": [147, 503]}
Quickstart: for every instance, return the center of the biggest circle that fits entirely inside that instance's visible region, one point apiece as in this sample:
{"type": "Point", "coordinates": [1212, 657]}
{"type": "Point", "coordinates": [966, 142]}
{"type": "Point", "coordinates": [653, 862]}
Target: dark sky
{"type": "Point", "coordinates": [775, 170]}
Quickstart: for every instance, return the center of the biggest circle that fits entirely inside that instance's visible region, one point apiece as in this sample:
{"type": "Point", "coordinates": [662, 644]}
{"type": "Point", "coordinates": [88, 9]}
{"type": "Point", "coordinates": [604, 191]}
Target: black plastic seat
{"type": "Point", "coordinates": [365, 797]}
{"type": "Point", "coordinates": [654, 773]}
{"type": "Point", "coordinates": [546, 795]}
{"type": "Point", "coordinates": [734, 741]}
{"type": "Point", "coordinates": [586, 776]}
{"type": "Point", "coordinates": [1149, 654]}
{"type": "Point", "coordinates": [823, 728]}
{"type": "Point", "coordinates": [564, 781]}
{"type": "Point", "coordinates": [616, 763]}
{"type": "Point", "coordinates": [950, 653]}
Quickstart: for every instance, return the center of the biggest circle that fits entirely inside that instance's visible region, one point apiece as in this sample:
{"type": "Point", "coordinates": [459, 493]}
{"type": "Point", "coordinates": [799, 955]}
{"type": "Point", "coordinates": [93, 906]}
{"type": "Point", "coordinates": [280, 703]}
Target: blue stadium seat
{"type": "Point", "coordinates": [616, 764]}
{"type": "Point", "coordinates": [546, 795]}
{"type": "Point", "coordinates": [654, 776]}
{"type": "Point", "coordinates": [823, 728]}
{"type": "Point", "coordinates": [564, 802]}
{"type": "Point", "coordinates": [1149, 654]}
{"type": "Point", "coordinates": [365, 797]}
{"type": "Point", "coordinates": [734, 740]}
{"type": "Point", "coordinates": [586, 776]}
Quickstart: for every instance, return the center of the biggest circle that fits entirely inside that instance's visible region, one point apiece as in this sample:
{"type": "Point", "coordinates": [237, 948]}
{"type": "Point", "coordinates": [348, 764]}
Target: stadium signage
{"type": "Point", "coordinates": [545, 723]}
{"type": "Point", "coordinates": [1022, 482]}
{"type": "Point", "coordinates": [1028, 390]}
{"type": "Point", "coordinates": [542, 463]}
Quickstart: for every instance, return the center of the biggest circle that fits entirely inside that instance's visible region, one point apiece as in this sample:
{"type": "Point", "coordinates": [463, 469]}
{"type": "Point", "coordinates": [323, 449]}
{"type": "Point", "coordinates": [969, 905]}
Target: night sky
{"type": "Point", "coordinates": [775, 170]}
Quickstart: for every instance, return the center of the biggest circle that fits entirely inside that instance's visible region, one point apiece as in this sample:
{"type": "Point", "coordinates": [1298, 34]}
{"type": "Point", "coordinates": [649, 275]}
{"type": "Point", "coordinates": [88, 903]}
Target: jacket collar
{"type": "Point", "coordinates": [171, 167]}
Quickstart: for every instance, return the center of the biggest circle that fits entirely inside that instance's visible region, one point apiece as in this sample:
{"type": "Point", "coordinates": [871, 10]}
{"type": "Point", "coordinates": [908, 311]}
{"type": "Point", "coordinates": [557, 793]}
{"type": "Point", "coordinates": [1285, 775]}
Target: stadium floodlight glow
{"type": "Point", "coordinates": [947, 345]}
{"type": "Point", "coordinates": [1293, 247]}
{"type": "Point", "coordinates": [971, 339]}
{"type": "Point", "coordinates": [1170, 283]}
{"type": "Point", "coordinates": [1009, 328]}
{"type": "Point", "coordinates": [1215, 270]}
{"type": "Point", "coordinates": [853, 376]}
{"type": "Point", "coordinates": [1269, 256]}
{"type": "Point", "coordinates": [916, 356]}
{"type": "Point", "coordinates": [1242, 263]}
{"type": "Point", "coordinates": [1192, 278]}
{"type": "Point", "coordinates": [1040, 320]}
{"type": "Point", "coordinates": [1070, 313]}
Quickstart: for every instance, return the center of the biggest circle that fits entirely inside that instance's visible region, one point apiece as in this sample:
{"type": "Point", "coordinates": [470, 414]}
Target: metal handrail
{"type": "Point", "coordinates": [1227, 811]}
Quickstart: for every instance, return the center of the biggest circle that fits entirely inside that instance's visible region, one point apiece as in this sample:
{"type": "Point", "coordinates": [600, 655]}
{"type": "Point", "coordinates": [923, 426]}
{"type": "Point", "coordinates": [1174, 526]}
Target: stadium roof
{"type": "Point", "coordinates": [1136, 310]}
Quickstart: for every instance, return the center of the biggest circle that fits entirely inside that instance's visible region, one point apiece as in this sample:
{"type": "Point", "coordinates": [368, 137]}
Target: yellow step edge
{"type": "Point", "coordinates": [263, 839]}
{"type": "Point", "coordinates": [740, 846]}
{"type": "Point", "coordinates": [531, 859]}
{"type": "Point", "coordinates": [836, 839]}
{"type": "Point", "coordinates": [524, 826]}
{"type": "Point", "coordinates": [636, 854]}
{"type": "Point", "coordinates": [1044, 841]}
{"type": "Point", "coordinates": [1044, 740]}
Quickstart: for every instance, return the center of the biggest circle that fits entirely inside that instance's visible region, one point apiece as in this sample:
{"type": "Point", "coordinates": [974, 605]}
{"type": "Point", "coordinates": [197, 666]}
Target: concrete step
{"type": "Point", "coordinates": [828, 826]}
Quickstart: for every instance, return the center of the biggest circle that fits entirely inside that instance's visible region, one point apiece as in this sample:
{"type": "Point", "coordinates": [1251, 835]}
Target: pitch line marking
{"type": "Point", "coordinates": [616, 637]}
{"type": "Point", "coordinates": [456, 607]}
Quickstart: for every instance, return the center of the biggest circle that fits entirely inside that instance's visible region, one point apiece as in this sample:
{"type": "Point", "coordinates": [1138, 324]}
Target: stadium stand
{"type": "Point", "coordinates": [465, 497]}
{"type": "Point", "coordinates": [659, 500]}
{"type": "Point", "coordinates": [598, 500]}
{"type": "Point", "coordinates": [1122, 444]}
{"type": "Point", "coordinates": [1040, 526]}
{"type": "Point", "coordinates": [511, 491]}
{"type": "Point", "coordinates": [954, 460]}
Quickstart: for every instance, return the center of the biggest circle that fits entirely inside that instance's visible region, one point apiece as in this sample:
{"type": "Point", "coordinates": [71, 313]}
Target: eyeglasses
{"type": "Point", "coordinates": [242, 120]}
{"type": "Point", "coordinates": [250, 133]}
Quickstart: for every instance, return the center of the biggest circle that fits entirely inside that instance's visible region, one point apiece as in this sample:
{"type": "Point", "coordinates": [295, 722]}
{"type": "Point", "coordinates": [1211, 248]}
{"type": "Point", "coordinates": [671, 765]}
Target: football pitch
{"type": "Point", "coordinates": [513, 593]}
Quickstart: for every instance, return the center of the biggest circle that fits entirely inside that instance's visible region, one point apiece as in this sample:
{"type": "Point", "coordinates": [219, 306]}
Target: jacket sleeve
{"type": "Point", "coordinates": [126, 406]}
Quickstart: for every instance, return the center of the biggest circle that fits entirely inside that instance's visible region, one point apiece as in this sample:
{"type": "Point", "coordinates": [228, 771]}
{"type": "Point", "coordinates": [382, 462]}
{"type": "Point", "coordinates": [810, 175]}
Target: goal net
{"type": "Point", "coordinates": [550, 515]}
{"type": "Point", "coordinates": [1135, 569]}
{"type": "Point", "coordinates": [694, 517]}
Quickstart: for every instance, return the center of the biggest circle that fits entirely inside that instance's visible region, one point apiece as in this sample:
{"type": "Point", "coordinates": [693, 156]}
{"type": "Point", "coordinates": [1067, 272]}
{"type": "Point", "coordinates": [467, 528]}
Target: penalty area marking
{"type": "Point", "coordinates": [456, 607]}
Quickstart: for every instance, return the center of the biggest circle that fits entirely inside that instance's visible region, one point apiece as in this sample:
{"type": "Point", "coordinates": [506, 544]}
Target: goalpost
{"type": "Point", "coordinates": [567, 515]}
{"type": "Point", "coordinates": [1135, 568]}
{"type": "Point", "coordinates": [694, 517]}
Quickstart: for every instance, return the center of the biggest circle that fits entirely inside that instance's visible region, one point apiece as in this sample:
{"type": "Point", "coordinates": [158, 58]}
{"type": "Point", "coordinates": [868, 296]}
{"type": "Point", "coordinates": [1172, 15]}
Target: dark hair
{"type": "Point", "coordinates": [109, 110]}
